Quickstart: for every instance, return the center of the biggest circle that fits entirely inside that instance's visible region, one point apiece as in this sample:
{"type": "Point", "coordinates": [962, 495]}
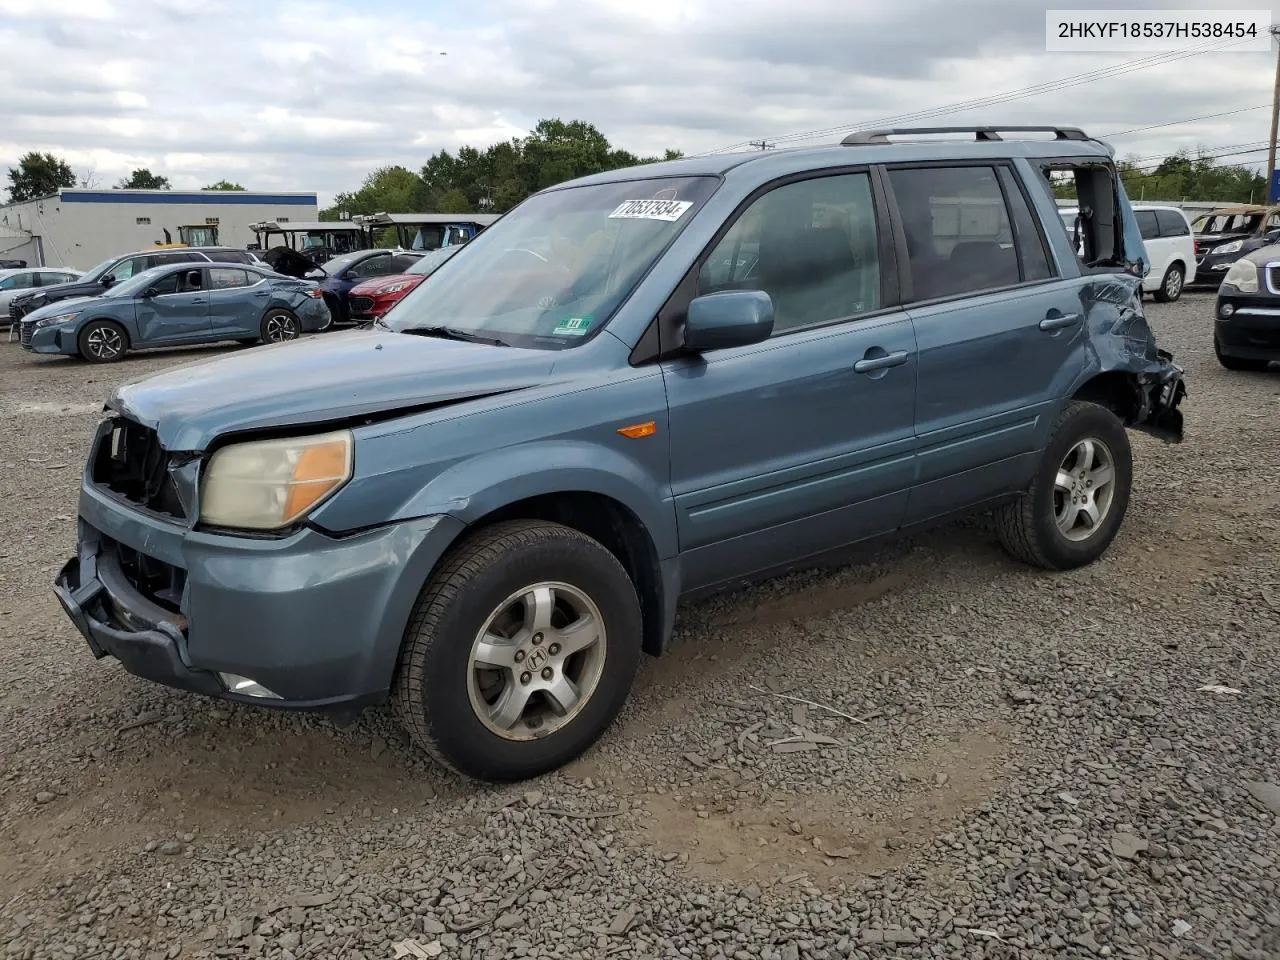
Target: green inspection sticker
{"type": "Point", "coordinates": [573, 326]}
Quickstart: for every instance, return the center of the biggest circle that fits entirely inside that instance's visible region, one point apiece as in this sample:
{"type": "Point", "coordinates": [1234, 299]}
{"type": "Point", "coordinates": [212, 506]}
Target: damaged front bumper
{"type": "Point", "coordinates": [307, 622]}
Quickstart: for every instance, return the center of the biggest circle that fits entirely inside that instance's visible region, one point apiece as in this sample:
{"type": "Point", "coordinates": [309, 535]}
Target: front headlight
{"type": "Point", "coordinates": [1243, 275]}
{"type": "Point", "coordinates": [60, 318]}
{"type": "Point", "coordinates": [1232, 247]}
{"type": "Point", "coordinates": [268, 484]}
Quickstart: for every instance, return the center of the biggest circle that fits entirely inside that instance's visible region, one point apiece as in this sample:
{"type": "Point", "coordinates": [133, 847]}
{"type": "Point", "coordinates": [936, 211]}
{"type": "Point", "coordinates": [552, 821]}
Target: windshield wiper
{"type": "Point", "coordinates": [455, 333]}
{"type": "Point", "coordinates": [377, 322]}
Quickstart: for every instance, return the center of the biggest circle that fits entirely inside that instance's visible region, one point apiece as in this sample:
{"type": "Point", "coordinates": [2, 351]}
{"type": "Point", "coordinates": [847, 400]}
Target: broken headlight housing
{"type": "Point", "coordinates": [1243, 275]}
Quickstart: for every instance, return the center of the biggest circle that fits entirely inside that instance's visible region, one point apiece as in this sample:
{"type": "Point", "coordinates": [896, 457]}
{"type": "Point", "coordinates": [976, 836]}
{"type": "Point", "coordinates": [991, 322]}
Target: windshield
{"type": "Point", "coordinates": [1224, 223]}
{"type": "Point", "coordinates": [428, 263]}
{"type": "Point", "coordinates": [553, 271]}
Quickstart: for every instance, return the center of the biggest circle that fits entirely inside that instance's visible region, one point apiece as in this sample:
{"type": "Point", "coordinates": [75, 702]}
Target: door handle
{"type": "Point", "coordinates": [872, 364]}
{"type": "Point", "coordinates": [198, 300]}
{"type": "Point", "coordinates": [1058, 321]}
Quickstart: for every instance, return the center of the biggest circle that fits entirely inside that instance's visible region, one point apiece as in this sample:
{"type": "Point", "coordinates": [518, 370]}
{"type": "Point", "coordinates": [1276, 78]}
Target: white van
{"type": "Point", "coordinates": [1171, 248]}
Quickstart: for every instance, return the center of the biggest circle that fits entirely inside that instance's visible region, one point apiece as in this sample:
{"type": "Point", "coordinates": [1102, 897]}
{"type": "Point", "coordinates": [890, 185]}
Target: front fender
{"type": "Point", "coordinates": [473, 488]}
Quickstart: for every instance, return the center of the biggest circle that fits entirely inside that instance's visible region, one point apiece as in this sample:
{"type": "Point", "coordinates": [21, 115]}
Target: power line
{"type": "Point", "coordinates": [1174, 123]}
{"type": "Point", "coordinates": [1127, 66]}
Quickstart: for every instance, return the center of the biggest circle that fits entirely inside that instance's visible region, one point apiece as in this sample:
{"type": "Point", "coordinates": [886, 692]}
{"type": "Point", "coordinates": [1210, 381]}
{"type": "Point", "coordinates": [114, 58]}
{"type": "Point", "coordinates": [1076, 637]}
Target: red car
{"type": "Point", "coordinates": [371, 299]}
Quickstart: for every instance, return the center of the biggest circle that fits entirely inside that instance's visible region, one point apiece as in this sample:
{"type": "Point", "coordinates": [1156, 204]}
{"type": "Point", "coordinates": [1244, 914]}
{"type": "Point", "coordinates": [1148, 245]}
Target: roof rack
{"type": "Point", "coordinates": [859, 137]}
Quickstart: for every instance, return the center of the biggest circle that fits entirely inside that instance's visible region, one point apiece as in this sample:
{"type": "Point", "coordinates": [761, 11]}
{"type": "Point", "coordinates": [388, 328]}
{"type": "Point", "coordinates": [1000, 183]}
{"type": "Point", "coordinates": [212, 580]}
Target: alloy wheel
{"type": "Point", "coordinates": [1084, 489]}
{"type": "Point", "coordinates": [536, 661]}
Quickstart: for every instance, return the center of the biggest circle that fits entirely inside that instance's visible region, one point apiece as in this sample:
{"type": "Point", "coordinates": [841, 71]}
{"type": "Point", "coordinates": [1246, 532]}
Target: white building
{"type": "Point", "coordinates": [80, 228]}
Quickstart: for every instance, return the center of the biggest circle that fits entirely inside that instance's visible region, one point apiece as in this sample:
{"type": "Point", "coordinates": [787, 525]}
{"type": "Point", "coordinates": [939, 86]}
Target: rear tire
{"type": "Point", "coordinates": [520, 652]}
{"type": "Point", "coordinates": [280, 326]}
{"type": "Point", "coordinates": [1077, 501]}
{"type": "Point", "coordinates": [102, 341]}
{"type": "Point", "coordinates": [1171, 284]}
{"type": "Point", "coordinates": [1238, 363]}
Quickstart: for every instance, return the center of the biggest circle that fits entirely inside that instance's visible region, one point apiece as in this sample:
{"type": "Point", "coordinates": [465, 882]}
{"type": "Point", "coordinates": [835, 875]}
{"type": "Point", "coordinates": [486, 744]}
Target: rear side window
{"type": "Point", "coordinates": [378, 266]}
{"type": "Point", "coordinates": [163, 259]}
{"type": "Point", "coordinates": [228, 278]}
{"type": "Point", "coordinates": [230, 256]}
{"type": "Point", "coordinates": [1033, 258]}
{"type": "Point", "coordinates": [1147, 224]}
{"type": "Point", "coordinates": [958, 230]}
{"type": "Point", "coordinates": [403, 261]}
{"type": "Point", "coordinates": [1172, 224]}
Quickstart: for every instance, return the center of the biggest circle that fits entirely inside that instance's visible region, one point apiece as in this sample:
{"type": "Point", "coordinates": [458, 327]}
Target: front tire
{"type": "Point", "coordinates": [280, 326]}
{"type": "Point", "coordinates": [520, 652]}
{"type": "Point", "coordinates": [102, 341]}
{"type": "Point", "coordinates": [1171, 285]}
{"type": "Point", "coordinates": [1077, 501]}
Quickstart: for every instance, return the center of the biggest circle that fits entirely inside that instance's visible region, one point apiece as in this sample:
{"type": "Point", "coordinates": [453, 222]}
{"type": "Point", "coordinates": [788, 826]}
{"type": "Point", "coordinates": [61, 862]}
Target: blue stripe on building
{"type": "Point", "coordinates": [220, 197]}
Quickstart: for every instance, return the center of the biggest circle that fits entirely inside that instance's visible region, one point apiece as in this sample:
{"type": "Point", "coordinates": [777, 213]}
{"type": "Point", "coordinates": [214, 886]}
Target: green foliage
{"type": "Point", "coordinates": [224, 185]}
{"type": "Point", "coordinates": [493, 180]}
{"type": "Point", "coordinates": [39, 175]}
{"type": "Point", "coordinates": [143, 179]}
{"type": "Point", "coordinates": [1185, 177]}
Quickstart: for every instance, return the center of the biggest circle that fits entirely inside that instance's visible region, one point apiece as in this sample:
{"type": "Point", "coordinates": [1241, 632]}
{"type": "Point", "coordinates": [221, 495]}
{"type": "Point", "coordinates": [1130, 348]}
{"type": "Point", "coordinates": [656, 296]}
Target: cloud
{"type": "Point", "coordinates": [311, 94]}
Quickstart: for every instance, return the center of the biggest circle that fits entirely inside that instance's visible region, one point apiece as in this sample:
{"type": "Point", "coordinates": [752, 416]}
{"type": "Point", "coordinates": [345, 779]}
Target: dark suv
{"type": "Point", "coordinates": [112, 271]}
{"type": "Point", "coordinates": [635, 386]}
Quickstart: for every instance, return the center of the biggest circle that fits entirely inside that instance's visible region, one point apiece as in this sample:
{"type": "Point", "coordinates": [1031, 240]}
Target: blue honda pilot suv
{"type": "Point", "coordinates": [634, 386]}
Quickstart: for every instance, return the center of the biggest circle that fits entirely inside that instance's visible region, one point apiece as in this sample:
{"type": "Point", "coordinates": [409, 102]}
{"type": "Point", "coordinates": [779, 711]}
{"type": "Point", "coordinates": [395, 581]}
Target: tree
{"type": "Point", "coordinates": [224, 185]}
{"type": "Point", "coordinates": [143, 179]}
{"type": "Point", "coordinates": [492, 180]}
{"type": "Point", "coordinates": [39, 175]}
{"type": "Point", "coordinates": [391, 189]}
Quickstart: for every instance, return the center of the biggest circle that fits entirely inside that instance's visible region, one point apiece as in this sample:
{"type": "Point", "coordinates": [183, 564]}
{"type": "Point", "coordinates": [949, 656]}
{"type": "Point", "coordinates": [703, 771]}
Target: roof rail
{"type": "Point", "coordinates": [859, 137]}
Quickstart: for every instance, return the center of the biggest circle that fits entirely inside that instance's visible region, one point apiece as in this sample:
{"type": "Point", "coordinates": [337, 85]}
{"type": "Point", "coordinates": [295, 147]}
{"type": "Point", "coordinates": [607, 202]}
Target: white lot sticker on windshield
{"type": "Point", "coordinates": [669, 210]}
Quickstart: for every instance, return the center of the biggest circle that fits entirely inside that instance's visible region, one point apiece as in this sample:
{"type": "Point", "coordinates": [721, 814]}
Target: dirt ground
{"type": "Point", "coordinates": [895, 734]}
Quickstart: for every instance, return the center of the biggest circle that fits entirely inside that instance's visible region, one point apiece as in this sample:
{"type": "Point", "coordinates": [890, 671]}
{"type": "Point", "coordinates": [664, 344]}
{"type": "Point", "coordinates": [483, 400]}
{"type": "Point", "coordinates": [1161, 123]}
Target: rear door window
{"type": "Point", "coordinates": [18, 281]}
{"type": "Point", "coordinates": [1172, 224]}
{"type": "Point", "coordinates": [959, 232]}
{"type": "Point", "coordinates": [1148, 226]}
{"type": "Point", "coordinates": [228, 278]}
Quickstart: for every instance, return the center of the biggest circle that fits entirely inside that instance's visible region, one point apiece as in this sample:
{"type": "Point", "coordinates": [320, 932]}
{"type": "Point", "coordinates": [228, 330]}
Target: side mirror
{"type": "Point", "coordinates": [150, 292]}
{"type": "Point", "coordinates": [733, 318]}
{"type": "Point", "coordinates": [108, 280]}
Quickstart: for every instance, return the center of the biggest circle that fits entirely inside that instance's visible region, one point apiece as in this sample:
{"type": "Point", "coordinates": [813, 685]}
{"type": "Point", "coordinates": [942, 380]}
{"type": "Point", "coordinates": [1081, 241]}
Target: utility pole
{"type": "Point", "coordinates": [1275, 116]}
{"type": "Point", "coordinates": [766, 145]}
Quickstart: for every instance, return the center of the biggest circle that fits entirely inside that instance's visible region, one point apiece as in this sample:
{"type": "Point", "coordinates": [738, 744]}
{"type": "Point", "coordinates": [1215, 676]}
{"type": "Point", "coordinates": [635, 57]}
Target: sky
{"type": "Point", "coordinates": [312, 95]}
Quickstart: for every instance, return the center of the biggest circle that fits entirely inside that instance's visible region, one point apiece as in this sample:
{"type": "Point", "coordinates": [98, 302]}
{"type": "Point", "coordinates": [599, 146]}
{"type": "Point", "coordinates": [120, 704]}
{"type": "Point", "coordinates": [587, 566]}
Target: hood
{"type": "Point", "coordinates": [1207, 241]}
{"type": "Point", "coordinates": [288, 262]}
{"type": "Point", "coordinates": [57, 307]}
{"type": "Point", "coordinates": [369, 288]}
{"type": "Point", "coordinates": [322, 380]}
{"type": "Point", "coordinates": [1263, 255]}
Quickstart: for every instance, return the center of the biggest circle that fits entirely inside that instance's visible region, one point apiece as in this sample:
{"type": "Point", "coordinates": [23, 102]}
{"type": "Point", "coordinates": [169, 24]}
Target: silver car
{"type": "Point", "coordinates": [21, 280]}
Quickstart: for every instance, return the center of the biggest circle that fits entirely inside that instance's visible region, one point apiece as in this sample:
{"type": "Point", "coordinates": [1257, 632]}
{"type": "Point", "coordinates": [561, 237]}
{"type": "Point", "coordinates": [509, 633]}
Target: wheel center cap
{"type": "Point", "coordinates": [537, 659]}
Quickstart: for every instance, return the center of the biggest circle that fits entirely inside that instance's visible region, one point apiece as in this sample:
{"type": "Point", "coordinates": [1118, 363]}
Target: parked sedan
{"type": "Point", "coordinates": [178, 304]}
{"type": "Point", "coordinates": [20, 281]}
{"type": "Point", "coordinates": [1246, 331]}
{"type": "Point", "coordinates": [342, 273]}
{"type": "Point", "coordinates": [372, 299]}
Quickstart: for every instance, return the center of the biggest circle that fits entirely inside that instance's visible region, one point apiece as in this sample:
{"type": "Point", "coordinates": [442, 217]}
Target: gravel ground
{"type": "Point", "coordinates": [995, 762]}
